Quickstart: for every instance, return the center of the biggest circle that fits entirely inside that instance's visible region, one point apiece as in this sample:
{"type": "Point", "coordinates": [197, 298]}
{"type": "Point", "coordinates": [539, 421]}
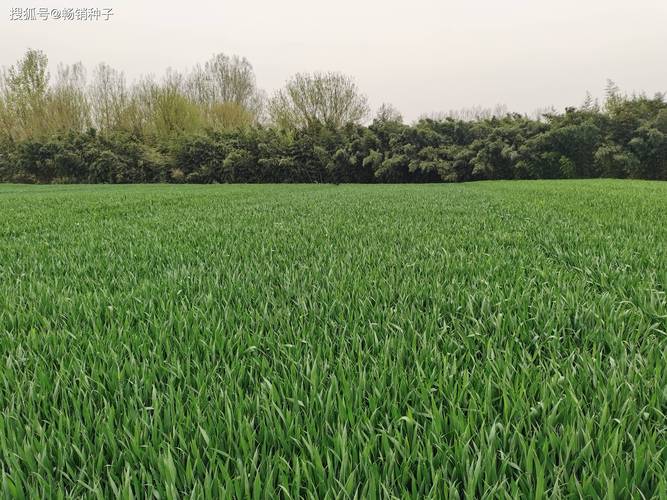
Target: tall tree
{"type": "Point", "coordinates": [388, 113]}
{"type": "Point", "coordinates": [327, 99]}
{"type": "Point", "coordinates": [67, 102]}
{"type": "Point", "coordinates": [108, 97]}
{"type": "Point", "coordinates": [25, 88]}
{"type": "Point", "coordinates": [227, 88]}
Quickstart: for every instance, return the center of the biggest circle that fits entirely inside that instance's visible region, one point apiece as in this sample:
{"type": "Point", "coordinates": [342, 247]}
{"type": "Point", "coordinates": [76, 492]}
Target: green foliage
{"type": "Point", "coordinates": [220, 96]}
{"type": "Point", "coordinates": [24, 92]}
{"type": "Point", "coordinates": [320, 99]}
{"type": "Point", "coordinates": [88, 158]}
{"type": "Point", "coordinates": [577, 144]}
{"type": "Point", "coordinates": [171, 113]}
{"type": "Point", "coordinates": [206, 126]}
{"type": "Point", "coordinates": [200, 158]}
{"type": "Point", "coordinates": [488, 340]}
{"type": "Point", "coordinates": [611, 160]}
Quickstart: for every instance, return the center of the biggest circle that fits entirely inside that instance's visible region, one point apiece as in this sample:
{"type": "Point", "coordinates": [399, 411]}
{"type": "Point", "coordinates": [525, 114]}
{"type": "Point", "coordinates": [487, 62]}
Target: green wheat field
{"type": "Point", "coordinates": [484, 340]}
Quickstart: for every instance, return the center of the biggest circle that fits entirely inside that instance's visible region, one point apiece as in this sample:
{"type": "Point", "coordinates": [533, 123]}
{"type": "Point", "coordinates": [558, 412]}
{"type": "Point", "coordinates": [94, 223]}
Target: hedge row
{"type": "Point", "coordinates": [629, 140]}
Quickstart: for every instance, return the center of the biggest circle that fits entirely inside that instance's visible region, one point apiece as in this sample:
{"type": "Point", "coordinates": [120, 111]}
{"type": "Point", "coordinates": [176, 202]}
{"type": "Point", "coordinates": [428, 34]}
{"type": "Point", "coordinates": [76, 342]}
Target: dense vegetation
{"type": "Point", "coordinates": [484, 340]}
{"type": "Point", "coordinates": [214, 125]}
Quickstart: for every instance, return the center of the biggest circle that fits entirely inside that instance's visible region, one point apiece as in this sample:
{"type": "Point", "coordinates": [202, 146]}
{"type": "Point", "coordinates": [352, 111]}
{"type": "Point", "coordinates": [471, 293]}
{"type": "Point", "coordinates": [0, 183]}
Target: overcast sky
{"type": "Point", "coordinates": [423, 56]}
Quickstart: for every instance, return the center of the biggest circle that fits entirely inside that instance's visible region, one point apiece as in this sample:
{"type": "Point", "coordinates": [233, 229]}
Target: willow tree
{"type": "Point", "coordinates": [327, 99]}
{"type": "Point", "coordinates": [164, 108]}
{"type": "Point", "coordinates": [24, 91]}
{"type": "Point", "coordinates": [109, 98]}
{"type": "Point", "coordinates": [226, 88]}
{"type": "Point", "coordinates": [68, 106]}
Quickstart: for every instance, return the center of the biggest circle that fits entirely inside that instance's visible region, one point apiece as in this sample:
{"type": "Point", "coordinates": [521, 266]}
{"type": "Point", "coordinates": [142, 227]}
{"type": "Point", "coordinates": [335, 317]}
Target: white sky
{"type": "Point", "coordinates": [422, 56]}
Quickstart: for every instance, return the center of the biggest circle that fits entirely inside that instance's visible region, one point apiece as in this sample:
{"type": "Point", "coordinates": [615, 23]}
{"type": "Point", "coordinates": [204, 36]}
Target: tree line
{"type": "Point", "coordinates": [213, 124]}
